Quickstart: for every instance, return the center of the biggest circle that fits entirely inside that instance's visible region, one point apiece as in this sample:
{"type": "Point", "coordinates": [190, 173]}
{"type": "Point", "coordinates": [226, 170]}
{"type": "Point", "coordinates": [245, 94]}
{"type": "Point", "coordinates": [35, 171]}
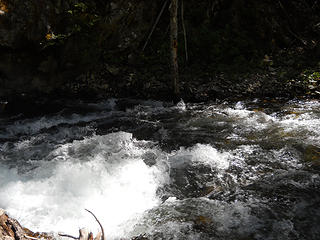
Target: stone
{"type": "Point", "coordinates": [10, 229]}
{"type": "Point", "coordinates": [6, 232]}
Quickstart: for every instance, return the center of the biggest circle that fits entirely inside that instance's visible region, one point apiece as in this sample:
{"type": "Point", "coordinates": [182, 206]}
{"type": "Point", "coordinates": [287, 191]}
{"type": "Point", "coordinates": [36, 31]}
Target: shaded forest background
{"type": "Point", "coordinates": [94, 49]}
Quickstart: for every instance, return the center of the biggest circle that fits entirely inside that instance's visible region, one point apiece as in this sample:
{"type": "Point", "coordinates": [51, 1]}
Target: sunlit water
{"type": "Point", "coordinates": [246, 170]}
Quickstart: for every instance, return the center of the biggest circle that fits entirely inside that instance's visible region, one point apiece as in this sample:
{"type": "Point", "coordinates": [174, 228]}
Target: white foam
{"type": "Point", "coordinates": [250, 119]}
{"type": "Point", "coordinates": [105, 174]}
{"type": "Point", "coordinates": [181, 106]}
{"type": "Point", "coordinates": [292, 121]}
{"type": "Point", "coordinates": [200, 153]}
{"type": "Point", "coordinates": [239, 105]}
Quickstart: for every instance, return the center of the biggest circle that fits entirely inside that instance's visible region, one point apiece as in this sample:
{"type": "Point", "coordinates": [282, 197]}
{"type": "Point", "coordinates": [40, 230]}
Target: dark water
{"type": "Point", "coordinates": [246, 170]}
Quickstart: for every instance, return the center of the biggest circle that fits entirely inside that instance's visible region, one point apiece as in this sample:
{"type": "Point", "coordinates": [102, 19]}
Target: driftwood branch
{"type": "Point", "coordinates": [102, 230]}
{"type": "Point", "coordinates": [85, 235]}
{"type": "Point", "coordinates": [68, 236]}
{"type": "Point", "coordinates": [33, 238]}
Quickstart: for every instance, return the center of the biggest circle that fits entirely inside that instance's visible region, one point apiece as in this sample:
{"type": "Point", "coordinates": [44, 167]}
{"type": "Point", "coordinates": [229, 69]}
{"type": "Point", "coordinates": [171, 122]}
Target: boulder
{"type": "Point", "coordinates": [10, 229]}
{"type": "Point", "coordinates": [6, 231]}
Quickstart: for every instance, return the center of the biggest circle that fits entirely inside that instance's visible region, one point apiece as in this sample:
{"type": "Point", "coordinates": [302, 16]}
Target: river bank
{"type": "Point", "coordinates": [97, 50]}
{"type": "Point", "coordinates": [288, 75]}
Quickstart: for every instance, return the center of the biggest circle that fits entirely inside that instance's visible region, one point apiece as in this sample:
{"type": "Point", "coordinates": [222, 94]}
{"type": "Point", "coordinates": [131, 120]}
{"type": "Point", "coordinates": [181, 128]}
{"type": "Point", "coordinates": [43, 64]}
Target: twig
{"type": "Point", "coordinates": [155, 24]}
{"type": "Point", "coordinates": [26, 236]}
{"type": "Point", "coordinates": [289, 29]}
{"type": "Point", "coordinates": [68, 236]}
{"type": "Point", "coordinates": [98, 222]}
{"type": "Point", "coordinates": [184, 31]}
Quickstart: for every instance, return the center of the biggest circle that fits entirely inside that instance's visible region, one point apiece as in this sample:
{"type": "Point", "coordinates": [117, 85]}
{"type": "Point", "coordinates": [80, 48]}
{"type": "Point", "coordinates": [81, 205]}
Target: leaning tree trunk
{"type": "Point", "coordinates": [174, 45]}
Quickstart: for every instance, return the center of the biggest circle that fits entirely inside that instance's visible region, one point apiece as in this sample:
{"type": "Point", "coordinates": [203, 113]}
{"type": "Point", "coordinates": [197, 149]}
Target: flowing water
{"type": "Point", "coordinates": [246, 170]}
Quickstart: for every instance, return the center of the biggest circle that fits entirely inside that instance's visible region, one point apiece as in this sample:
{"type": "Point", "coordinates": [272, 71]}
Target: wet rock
{"type": "Point", "coordinates": [141, 237]}
{"type": "Point", "coordinates": [10, 229]}
{"type": "Point", "coordinates": [6, 232]}
{"type": "Point", "coordinates": [202, 223]}
{"type": "Point", "coordinates": [149, 158]}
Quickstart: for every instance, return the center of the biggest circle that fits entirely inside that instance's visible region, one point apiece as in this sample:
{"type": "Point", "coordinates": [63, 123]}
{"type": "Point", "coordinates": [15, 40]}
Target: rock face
{"type": "Point", "coordinates": [10, 229]}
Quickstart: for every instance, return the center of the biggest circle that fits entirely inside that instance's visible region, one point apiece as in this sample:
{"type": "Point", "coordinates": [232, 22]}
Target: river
{"type": "Point", "coordinates": [218, 170]}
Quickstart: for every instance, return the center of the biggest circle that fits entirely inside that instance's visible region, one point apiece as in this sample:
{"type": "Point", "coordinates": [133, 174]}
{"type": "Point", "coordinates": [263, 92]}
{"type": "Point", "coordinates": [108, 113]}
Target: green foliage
{"type": "Point", "coordinates": [313, 77]}
{"type": "Point", "coordinates": [82, 7]}
{"type": "Point", "coordinates": [80, 19]}
{"type": "Point", "coordinates": [83, 16]}
{"type": "Point", "coordinates": [311, 81]}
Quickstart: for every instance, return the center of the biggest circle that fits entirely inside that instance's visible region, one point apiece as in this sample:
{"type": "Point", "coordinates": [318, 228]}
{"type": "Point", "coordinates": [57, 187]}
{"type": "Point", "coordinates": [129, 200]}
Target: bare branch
{"type": "Point", "coordinates": [155, 24]}
{"type": "Point", "coordinates": [90, 237]}
{"type": "Point", "coordinates": [98, 237]}
{"type": "Point", "coordinates": [68, 236]}
{"type": "Point", "coordinates": [83, 234]}
{"type": "Point", "coordinates": [102, 230]}
{"type": "Point", "coordinates": [184, 32]}
{"type": "Point", "coordinates": [33, 238]}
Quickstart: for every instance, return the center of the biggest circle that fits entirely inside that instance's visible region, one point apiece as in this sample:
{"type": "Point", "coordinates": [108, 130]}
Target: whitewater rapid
{"type": "Point", "coordinates": [105, 174]}
{"type": "Point", "coordinates": [187, 171]}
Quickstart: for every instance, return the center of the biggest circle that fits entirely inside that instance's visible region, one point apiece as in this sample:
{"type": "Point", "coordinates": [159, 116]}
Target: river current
{"type": "Point", "coordinates": [219, 170]}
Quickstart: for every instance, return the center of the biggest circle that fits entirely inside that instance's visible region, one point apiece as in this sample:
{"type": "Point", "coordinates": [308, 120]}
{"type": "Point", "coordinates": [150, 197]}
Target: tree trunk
{"type": "Point", "coordinates": [174, 45]}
